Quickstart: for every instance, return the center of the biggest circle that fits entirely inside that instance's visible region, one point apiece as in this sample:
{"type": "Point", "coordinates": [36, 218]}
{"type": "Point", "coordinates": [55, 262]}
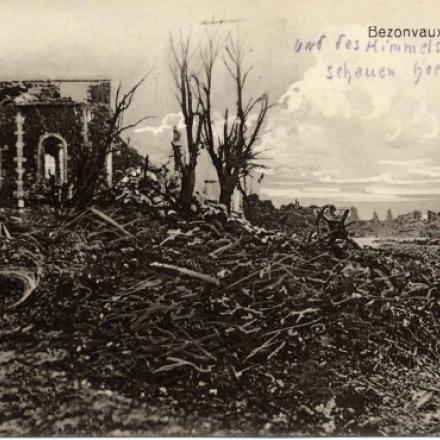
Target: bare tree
{"type": "Point", "coordinates": [232, 151]}
{"type": "Point", "coordinates": [107, 131]}
{"type": "Point", "coordinates": [185, 157]}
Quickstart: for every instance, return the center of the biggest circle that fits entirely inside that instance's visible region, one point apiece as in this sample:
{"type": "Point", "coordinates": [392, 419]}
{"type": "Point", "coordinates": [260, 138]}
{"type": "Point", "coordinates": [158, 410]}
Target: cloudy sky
{"type": "Point", "coordinates": [349, 140]}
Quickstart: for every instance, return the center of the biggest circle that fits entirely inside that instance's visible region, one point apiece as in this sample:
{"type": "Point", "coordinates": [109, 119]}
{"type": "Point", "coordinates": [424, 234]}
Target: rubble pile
{"type": "Point", "coordinates": [216, 308]}
{"type": "Point", "coordinates": [148, 188]}
{"type": "Point", "coordinates": [226, 287]}
{"type": "Point", "coordinates": [291, 219]}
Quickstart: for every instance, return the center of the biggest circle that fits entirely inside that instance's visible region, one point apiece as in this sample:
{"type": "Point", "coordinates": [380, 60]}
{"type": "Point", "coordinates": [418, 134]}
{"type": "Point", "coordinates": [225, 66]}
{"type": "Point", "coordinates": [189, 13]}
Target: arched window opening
{"type": "Point", "coordinates": [52, 158]}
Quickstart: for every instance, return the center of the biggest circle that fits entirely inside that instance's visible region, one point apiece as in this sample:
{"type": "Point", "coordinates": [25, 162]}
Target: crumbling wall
{"type": "Point", "coordinates": [92, 91]}
{"type": "Point", "coordinates": [46, 111]}
{"type": "Point", "coordinates": [99, 93]}
{"type": "Point", "coordinates": [29, 90]}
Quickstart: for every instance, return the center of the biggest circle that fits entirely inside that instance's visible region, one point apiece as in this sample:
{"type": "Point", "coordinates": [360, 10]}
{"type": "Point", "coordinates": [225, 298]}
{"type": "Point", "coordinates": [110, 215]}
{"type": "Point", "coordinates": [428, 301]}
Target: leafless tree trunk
{"type": "Point", "coordinates": [185, 157]}
{"type": "Point", "coordinates": [233, 151]}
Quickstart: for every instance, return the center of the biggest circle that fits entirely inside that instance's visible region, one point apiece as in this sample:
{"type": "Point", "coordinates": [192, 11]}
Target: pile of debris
{"type": "Point", "coordinates": [152, 189]}
{"type": "Point", "coordinates": [219, 305]}
{"type": "Point", "coordinates": [291, 219]}
{"type": "Point", "coordinates": [215, 293]}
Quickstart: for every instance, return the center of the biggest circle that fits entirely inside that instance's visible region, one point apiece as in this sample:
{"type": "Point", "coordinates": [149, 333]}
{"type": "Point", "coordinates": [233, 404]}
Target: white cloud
{"type": "Point", "coordinates": [405, 162]}
{"type": "Point", "coordinates": [358, 135]}
{"type": "Point", "coordinates": [386, 177]}
{"type": "Point", "coordinates": [429, 172]}
{"type": "Point", "coordinates": [390, 137]}
{"type": "Point", "coordinates": [390, 191]}
{"type": "Point", "coordinates": [168, 121]}
{"type": "Point", "coordinates": [432, 131]}
{"type": "Point", "coordinates": [289, 183]}
{"type": "Point", "coordinates": [381, 178]}
{"type": "Point", "coordinates": [326, 189]}
{"type": "Point", "coordinates": [337, 196]}
{"type": "Point", "coordinates": [321, 172]}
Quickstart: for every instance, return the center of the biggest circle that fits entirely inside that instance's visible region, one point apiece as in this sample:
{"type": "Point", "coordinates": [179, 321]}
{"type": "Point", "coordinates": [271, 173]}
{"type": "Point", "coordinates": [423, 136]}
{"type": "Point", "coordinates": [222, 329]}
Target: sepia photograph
{"type": "Point", "coordinates": [219, 218]}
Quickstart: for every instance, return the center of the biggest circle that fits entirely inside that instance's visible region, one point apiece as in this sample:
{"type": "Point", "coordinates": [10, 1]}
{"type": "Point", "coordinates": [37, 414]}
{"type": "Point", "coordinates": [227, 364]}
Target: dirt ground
{"type": "Point", "coordinates": [44, 392]}
{"type": "Point", "coordinates": [371, 366]}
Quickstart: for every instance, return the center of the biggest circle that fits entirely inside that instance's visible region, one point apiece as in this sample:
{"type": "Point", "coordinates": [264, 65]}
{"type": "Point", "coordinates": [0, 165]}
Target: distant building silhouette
{"type": "Point", "coordinates": [432, 216]}
{"type": "Point", "coordinates": [354, 215]}
{"type": "Point", "coordinates": [415, 215]}
{"type": "Point", "coordinates": [389, 218]}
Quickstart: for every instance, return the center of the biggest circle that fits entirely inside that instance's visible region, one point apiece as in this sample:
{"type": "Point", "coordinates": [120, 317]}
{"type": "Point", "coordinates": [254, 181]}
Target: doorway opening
{"type": "Point", "coordinates": [52, 159]}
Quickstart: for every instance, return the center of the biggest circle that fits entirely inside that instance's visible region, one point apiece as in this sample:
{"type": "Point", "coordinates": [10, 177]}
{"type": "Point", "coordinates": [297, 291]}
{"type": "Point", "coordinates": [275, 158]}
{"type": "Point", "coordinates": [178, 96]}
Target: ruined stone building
{"type": "Point", "coordinates": [44, 126]}
{"type": "Point", "coordinates": [415, 215]}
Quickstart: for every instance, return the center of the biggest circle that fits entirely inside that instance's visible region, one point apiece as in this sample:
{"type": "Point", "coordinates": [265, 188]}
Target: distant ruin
{"type": "Point", "coordinates": [44, 124]}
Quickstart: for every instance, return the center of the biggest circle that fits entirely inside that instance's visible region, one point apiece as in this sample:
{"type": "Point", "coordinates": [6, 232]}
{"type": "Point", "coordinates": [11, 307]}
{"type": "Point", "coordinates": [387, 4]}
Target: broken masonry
{"type": "Point", "coordinates": [44, 126]}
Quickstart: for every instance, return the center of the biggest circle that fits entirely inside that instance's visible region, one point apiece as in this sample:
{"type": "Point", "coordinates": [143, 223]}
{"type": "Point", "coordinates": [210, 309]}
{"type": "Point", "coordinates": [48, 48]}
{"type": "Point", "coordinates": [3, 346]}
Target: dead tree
{"type": "Point", "coordinates": [185, 156]}
{"type": "Point", "coordinates": [331, 227]}
{"type": "Point", "coordinates": [232, 151]}
{"type": "Point", "coordinates": [92, 157]}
